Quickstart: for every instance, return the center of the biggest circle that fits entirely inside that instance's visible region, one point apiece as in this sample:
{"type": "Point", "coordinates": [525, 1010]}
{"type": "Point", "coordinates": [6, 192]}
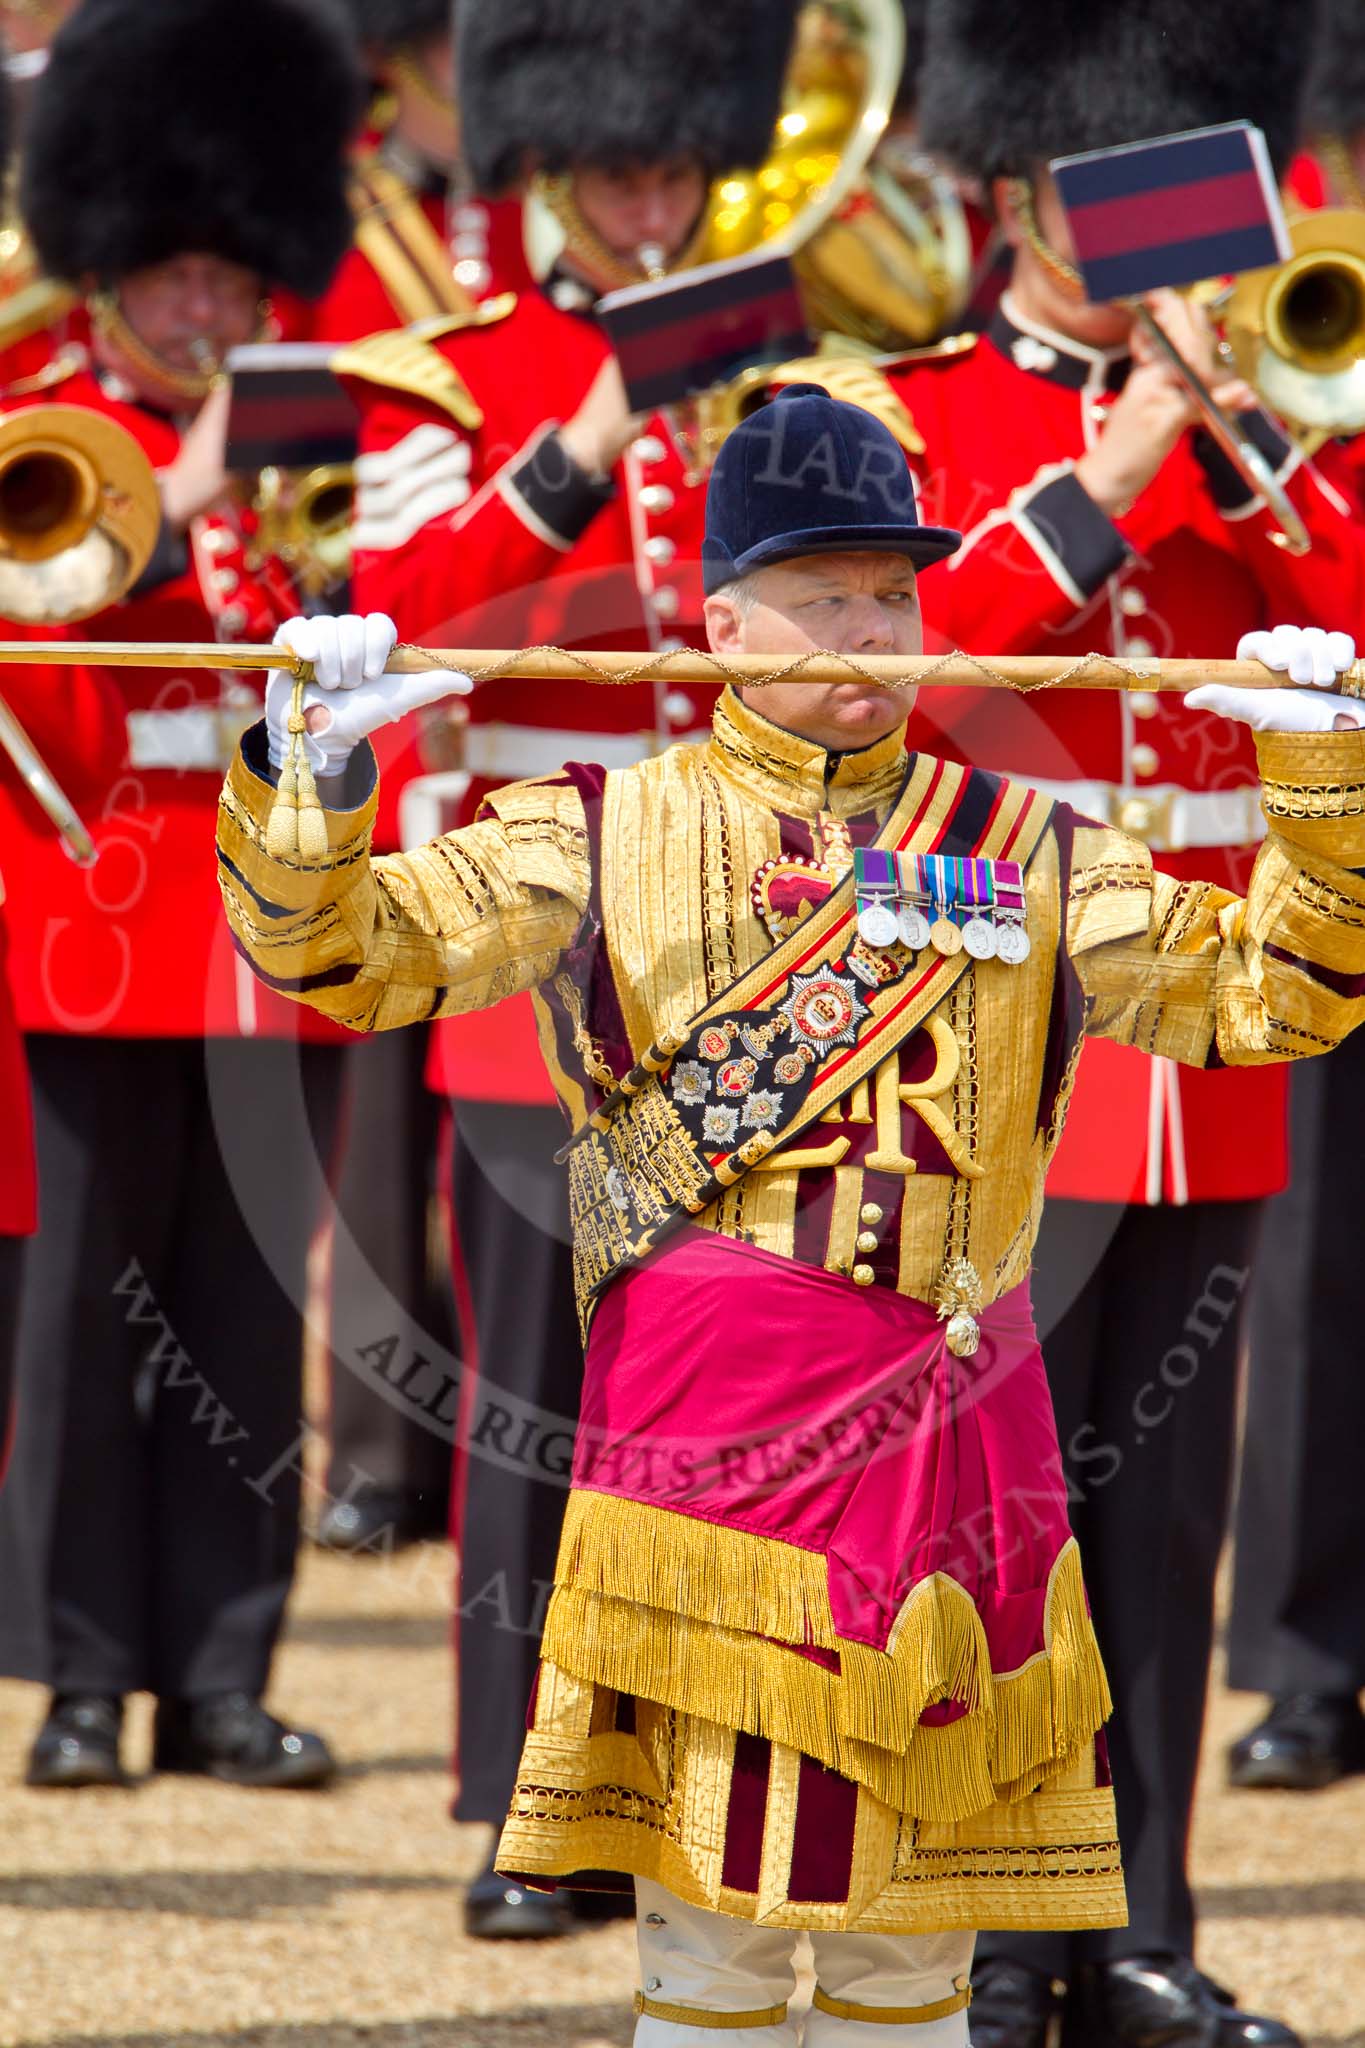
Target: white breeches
{"type": "Point", "coordinates": [702, 1971]}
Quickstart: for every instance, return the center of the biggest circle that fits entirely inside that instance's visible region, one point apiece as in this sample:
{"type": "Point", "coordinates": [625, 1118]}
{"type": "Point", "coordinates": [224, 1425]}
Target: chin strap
{"type": "Point", "coordinates": [110, 325]}
{"type": "Point", "coordinates": [404, 64]}
{"type": "Point", "coordinates": [1335, 153]}
{"type": "Point", "coordinates": [1021, 202]}
{"type": "Point", "coordinates": [586, 249]}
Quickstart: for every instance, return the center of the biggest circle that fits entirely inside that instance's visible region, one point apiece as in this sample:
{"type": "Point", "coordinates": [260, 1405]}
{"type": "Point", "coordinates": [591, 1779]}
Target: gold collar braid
{"type": "Point", "coordinates": [795, 775]}
{"type": "Point", "coordinates": [1334, 153]}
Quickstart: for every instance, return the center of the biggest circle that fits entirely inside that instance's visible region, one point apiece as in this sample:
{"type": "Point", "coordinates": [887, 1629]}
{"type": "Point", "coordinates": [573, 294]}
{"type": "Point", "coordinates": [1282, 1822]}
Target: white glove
{"type": "Point", "coordinates": [1309, 657]}
{"type": "Point", "coordinates": [348, 657]}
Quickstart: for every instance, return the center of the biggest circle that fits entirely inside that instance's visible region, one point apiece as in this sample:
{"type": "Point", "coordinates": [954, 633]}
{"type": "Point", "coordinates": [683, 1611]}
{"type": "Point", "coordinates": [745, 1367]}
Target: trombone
{"type": "Point", "coordinates": [1240, 449]}
{"type": "Point", "coordinates": [79, 516]}
{"type": "Point", "coordinates": [44, 788]}
{"type": "Point", "coordinates": [1297, 330]}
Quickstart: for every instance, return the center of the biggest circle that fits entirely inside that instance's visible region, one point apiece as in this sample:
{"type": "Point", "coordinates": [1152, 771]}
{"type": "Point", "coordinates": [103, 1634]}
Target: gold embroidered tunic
{"type": "Point", "coordinates": [630, 901]}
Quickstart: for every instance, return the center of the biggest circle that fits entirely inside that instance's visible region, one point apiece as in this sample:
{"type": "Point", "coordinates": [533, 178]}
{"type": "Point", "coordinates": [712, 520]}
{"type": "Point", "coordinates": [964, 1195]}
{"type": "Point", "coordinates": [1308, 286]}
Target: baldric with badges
{"type": "Point", "coordinates": [776, 1052]}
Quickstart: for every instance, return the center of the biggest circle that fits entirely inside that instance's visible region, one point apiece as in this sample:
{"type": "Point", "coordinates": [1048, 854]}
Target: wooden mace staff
{"type": "Point", "coordinates": [1020, 673]}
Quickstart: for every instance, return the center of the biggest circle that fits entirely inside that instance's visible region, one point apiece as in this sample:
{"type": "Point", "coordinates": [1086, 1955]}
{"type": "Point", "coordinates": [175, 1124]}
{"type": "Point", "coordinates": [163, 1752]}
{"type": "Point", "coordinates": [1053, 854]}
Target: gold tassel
{"type": "Point", "coordinates": [312, 827]}
{"type": "Point", "coordinates": [711, 1620]}
{"type": "Point", "coordinates": [703, 1569]}
{"type": "Point", "coordinates": [297, 826]}
{"type": "Point", "coordinates": [282, 827]}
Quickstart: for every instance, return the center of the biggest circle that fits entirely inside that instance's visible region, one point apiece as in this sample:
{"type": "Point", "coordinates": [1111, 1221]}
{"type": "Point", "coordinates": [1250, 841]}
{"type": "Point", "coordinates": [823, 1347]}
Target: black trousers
{"type": "Point", "coordinates": [1298, 1607]}
{"type": "Point", "coordinates": [391, 1298]}
{"type": "Point", "coordinates": [1139, 1311]}
{"type": "Point", "coordinates": [149, 1522]}
{"type": "Point", "coordinates": [519, 1414]}
{"type": "Point", "coordinates": [11, 1268]}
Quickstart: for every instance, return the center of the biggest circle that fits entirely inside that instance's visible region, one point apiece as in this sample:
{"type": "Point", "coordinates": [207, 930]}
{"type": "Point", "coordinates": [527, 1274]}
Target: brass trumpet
{"type": "Point", "coordinates": [79, 516]}
{"type": "Point", "coordinates": [1297, 330]}
{"type": "Point", "coordinates": [305, 518]}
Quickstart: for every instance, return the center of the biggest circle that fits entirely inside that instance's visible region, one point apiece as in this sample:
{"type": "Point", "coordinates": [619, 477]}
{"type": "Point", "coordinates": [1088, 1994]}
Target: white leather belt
{"type": "Point", "coordinates": [430, 805]}
{"type": "Point", "coordinates": [511, 753]}
{"type": "Point", "coordinates": [1167, 818]}
{"type": "Point", "coordinates": [199, 736]}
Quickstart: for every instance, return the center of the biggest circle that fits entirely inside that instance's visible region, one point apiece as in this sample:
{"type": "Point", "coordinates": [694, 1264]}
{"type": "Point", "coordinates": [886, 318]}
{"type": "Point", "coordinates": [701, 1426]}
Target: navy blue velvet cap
{"type": "Point", "coordinates": [811, 475]}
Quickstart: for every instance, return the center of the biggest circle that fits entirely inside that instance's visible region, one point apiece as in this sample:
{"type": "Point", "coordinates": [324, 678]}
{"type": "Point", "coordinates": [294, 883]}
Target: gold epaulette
{"type": "Point", "coordinates": [860, 380]}
{"type": "Point", "coordinates": [405, 359]}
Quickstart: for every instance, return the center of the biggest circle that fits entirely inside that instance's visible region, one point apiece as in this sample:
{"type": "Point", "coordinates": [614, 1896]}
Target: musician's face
{"type": "Point", "coordinates": [632, 205]}
{"type": "Point", "coordinates": [423, 87]}
{"type": "Point", "coordinates": [190, 310]}
{"type": "Point", "coordinates": [851, 604]}
{"type": "Point", "coordinates": [32, 27]}
{"type": "Point", "coordinates": [1041, 295]}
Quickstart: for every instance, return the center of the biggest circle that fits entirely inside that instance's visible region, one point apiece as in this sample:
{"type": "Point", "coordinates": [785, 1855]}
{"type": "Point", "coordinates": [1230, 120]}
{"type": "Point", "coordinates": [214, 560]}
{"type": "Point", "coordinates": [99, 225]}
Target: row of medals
{"type": "Point", "coordinates": [882, 922]}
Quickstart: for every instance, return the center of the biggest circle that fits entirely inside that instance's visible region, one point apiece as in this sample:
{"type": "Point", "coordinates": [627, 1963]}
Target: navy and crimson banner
{"type": "Point", "coordinates": [679, 336]}
{"type": "Point", "coordinates": [288, 407]}
{"type": "Point", "coordinates": [1172, 211]}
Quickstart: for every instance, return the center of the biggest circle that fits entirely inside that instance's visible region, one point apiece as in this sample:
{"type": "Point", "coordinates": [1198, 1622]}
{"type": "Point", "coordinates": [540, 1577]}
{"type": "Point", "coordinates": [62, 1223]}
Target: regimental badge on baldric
{"type": "Point", "coordinates": [824, 1008]}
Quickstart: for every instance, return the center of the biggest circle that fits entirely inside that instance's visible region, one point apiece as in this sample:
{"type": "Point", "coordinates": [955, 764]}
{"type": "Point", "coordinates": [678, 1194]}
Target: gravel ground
{"type": "Point", "coordinates": [187, 1913]}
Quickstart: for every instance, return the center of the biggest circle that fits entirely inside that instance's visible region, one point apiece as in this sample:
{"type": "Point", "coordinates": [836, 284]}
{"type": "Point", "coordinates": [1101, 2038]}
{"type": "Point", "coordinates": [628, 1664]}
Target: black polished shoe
{"type": "Point", "coordinates": [1302, 1744]}
{"type": "Point", "coordinates": [232, 1737]}
{"type": "Point", "coordinates": [378, 1521]}
{"type": "Point", "coordinates": [595, 1909]}
{"type": "Point", "coordinates": [496, 1909]}
{"type": "Point", "coordinates": [78, 1742]}
{"type": "Point", "coordinates": [1012, 2006]}
{"type": "Point", "coordinates": [1160, 2002]}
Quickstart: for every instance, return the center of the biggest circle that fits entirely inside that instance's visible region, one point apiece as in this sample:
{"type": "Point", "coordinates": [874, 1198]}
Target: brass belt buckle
{"type": "Point", "coordinates": [1145, 817]}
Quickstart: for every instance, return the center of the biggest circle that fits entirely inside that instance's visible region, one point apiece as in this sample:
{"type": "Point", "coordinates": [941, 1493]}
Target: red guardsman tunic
{"type": "Point", "coordinates": [75, 719]}
{"type": "Point", "coordinates": [420, 254]}
{"type": "Point", "coordinates": [475, 529]}
{"type": "Point", "coordinates": [92, 950]}
{"type": "Point", "coordinates": [481, 239]}
{"type": "Point", "coordinates": [1188, 570]}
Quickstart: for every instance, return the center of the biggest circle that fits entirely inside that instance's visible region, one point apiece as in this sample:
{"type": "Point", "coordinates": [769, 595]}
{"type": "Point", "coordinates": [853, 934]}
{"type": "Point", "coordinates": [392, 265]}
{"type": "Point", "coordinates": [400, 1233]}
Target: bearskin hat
{"type": "Point", "coordinates": [8, 124]}
{"type": "Point", "coordinates": [386, 25]}
{"type": "Point", "coordinates": [1005, 87]}
{"type": "Point", "coordinates": [563, 82]}
{"type": "Point", "coordinates": [1335, 99]}
{"type": "Point", "coordinates": [180, 125]}
{"type": "Point", "coordinates": [907, 93]}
